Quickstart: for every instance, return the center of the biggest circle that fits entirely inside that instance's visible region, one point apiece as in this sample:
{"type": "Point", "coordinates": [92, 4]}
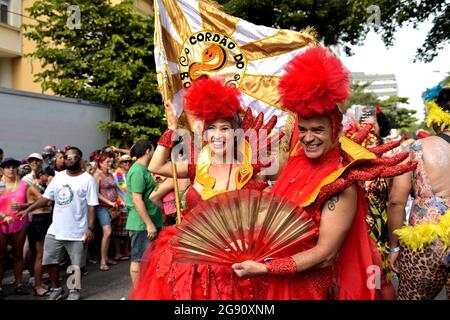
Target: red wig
{"type": "Point", "coordinates": [314, 83]}
{"type": "Point", "coordinates": [210, 99]}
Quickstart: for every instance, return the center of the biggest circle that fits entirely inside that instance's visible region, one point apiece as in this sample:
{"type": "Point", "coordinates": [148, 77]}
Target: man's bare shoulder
{"type": "Point", "coordinates": [347, 196]}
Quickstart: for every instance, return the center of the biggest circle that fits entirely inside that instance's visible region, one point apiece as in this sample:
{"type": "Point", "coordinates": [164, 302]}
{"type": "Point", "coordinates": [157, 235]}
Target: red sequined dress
{"type": "Point", "coordinates": [348, 278]}
{"type": "Point", "coordinates": [161, 278]}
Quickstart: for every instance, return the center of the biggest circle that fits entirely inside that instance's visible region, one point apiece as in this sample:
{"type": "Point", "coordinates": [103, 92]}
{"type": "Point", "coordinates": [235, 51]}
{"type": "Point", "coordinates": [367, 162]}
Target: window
{"type": "Point", "coordinates": [4, 4]}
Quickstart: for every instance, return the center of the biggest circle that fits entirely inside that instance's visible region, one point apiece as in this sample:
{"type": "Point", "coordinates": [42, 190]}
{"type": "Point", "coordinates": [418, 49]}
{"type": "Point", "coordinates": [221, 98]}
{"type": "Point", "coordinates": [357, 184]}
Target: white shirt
{"type": "Point", "coordinates": [72, 196]}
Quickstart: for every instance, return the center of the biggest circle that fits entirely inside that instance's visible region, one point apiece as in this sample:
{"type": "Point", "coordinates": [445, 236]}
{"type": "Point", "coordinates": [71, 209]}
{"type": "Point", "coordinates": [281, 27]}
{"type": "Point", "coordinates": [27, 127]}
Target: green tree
{"type": "Point", "coordinates": [360, 96]}
{"type": "Point", "coordinates": [109, 59]}
{"type": "Point", "coordinates": [348, 22]}
{"type": "Point", "coordinates": [399, 117]}
{"type": "Point", "coordinates": [403, 118]}
{"type": "Point", "coordinates": [411, 131]}
{"type": "Point", "coordinates": [418, 11]}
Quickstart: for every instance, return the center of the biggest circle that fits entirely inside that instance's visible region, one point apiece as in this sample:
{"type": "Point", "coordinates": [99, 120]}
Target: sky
{"type": "Point", "coordinates": [412, 78]}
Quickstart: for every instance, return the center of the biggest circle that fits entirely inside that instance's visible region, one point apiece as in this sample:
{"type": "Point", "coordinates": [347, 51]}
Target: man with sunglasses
{"type": "Point", "coordinates": [75, 195]}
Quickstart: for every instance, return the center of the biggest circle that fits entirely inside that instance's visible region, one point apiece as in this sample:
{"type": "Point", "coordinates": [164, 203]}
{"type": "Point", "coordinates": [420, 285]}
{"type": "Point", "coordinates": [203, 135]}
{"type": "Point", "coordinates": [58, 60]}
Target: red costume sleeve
{"type": "Point", "coordinates": [355, 259]}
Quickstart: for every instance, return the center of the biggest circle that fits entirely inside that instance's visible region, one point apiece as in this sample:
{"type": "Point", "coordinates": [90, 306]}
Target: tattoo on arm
{"type": "Point", "coordinates": [332, 202]}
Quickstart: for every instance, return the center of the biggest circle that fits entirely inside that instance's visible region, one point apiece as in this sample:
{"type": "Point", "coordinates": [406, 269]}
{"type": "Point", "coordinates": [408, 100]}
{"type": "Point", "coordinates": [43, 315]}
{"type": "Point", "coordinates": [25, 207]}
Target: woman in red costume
{"type": "Point", "coordinates": [213, 172]}
{"type": "Point", "coordinates": [321, 176]}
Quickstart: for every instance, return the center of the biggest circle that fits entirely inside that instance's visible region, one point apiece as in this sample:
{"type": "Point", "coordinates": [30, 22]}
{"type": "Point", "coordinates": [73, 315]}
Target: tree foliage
{"type": "Point", "coordinates": [348, 22]}
{"type": "Point", "coordinates": [399, 117]}
{"type": "Point", "coordinates": [360, 96]}
{"type": "Point", "coordinates": [109, 59]}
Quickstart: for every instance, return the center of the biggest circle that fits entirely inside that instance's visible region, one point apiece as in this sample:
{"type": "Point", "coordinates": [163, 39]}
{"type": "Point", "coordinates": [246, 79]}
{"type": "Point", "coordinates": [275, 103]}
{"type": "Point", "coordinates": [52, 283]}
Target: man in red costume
{"type": "Point", "coordinates": [321, 177]}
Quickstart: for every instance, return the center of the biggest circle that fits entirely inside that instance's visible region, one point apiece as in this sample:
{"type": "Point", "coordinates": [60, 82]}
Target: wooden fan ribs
{"type": "Point", "coordinates": [240, 225]}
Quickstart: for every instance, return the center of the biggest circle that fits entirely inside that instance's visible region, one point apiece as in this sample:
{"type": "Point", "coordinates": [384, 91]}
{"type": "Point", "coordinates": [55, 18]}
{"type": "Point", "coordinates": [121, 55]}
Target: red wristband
{"type": "Point", "coordinates": [282, 267]}
{"type": "Point", "coordinates": [166, 139]}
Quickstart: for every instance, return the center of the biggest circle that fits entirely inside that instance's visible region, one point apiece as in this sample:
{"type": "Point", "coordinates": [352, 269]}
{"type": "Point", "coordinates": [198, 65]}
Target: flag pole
{"type": "Point", "coordinates": [174, 166]}
{"type": "Point", "coordinates": [165, 86]}
{"type": "Point", "coordinates": [175, 189]}
{"type": "Point", "coordinates": [174, 169]}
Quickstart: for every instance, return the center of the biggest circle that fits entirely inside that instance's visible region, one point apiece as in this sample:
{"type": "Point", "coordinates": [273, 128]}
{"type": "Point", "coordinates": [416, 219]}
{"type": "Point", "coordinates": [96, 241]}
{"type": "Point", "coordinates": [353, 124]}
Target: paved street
{"type": "Point", "coordinates": [96, 285]}
{"type": "Point", "coordinates": [99, 285]}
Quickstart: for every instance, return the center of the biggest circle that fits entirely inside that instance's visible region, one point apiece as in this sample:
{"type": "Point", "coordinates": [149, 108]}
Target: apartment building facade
{"type": "Point", "coordinates": [17, 70]}
{"type": "Point", "coordinates": [382, 85]}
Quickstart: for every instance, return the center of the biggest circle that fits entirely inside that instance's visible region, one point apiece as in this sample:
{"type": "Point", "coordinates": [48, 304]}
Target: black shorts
{"type": "Point", "coordinates": [38, 227]}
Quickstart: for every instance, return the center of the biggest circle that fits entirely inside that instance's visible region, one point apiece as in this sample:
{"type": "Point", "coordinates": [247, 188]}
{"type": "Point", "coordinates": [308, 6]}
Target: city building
{"type": "Point", "coordinates": [383, 85]}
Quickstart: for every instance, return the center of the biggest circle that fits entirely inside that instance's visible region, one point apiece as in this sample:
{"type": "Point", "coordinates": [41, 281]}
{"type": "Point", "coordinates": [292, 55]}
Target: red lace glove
{"type": "Point", "coordinates": [281, 267]}
{"type": "Point", "coordinates": [166, 139]}
{"type": "Point", "coordinates": [261, 143]}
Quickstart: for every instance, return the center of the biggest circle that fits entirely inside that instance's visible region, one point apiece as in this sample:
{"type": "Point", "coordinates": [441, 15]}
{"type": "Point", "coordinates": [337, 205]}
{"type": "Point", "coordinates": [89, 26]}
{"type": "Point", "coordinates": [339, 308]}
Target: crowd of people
{"type": "Point", "coordinates": [352, 178]}
{"type": "Point", "coordinates": [58, 209]}
{"type": "Point", "coordinates": [349, 191]}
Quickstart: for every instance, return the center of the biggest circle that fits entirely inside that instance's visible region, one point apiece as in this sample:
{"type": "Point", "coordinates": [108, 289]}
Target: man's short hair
{"type": "Point", "coordinates": [49, 171]}
{"type": "Point", "coordinates": [76, 149]}
{"type": "Point", "coordinates": [140, 148]}
{"type": "Point", "coordinates": [38, 171]}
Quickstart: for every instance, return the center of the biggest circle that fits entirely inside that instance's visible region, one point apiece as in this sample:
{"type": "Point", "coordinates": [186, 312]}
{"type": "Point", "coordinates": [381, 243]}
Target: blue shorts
{"type": "Point", "coordinates": [103, 216]}
{"type": "Point", "coordinates": [139, 243]}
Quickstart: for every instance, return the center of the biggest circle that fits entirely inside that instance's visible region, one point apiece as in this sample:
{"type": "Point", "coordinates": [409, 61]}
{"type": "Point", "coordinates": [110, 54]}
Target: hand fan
{"type": "Point", "coordinates": [241, 225]}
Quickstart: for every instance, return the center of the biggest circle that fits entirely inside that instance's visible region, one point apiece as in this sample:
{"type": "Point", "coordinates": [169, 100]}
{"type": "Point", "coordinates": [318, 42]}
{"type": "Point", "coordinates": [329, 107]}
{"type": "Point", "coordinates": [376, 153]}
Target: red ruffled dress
{"type": "Point", "coordinates": [161, 278]}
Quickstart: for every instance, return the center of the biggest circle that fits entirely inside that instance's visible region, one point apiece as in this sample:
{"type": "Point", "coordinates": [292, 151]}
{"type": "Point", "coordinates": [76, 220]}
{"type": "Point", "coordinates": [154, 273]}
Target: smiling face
{"type": "Point", "coordinates": [315, 136]}
{"type": "Point", "coordinates": [220, 137]}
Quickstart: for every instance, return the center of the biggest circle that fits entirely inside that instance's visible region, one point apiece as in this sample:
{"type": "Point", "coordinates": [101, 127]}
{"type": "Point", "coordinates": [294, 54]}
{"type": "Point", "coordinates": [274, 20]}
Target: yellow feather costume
{"type": "Point", "coordinates": [422, 234]}
{"type": "Point", "coordinates": [436, 115]}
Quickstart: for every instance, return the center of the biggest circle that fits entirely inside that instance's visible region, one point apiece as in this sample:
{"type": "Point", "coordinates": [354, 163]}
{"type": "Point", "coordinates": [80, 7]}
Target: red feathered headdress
{"type": "Point", "coordinates": [314, 83]}
{"type": "Point", "coordinates": [210, 99]}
